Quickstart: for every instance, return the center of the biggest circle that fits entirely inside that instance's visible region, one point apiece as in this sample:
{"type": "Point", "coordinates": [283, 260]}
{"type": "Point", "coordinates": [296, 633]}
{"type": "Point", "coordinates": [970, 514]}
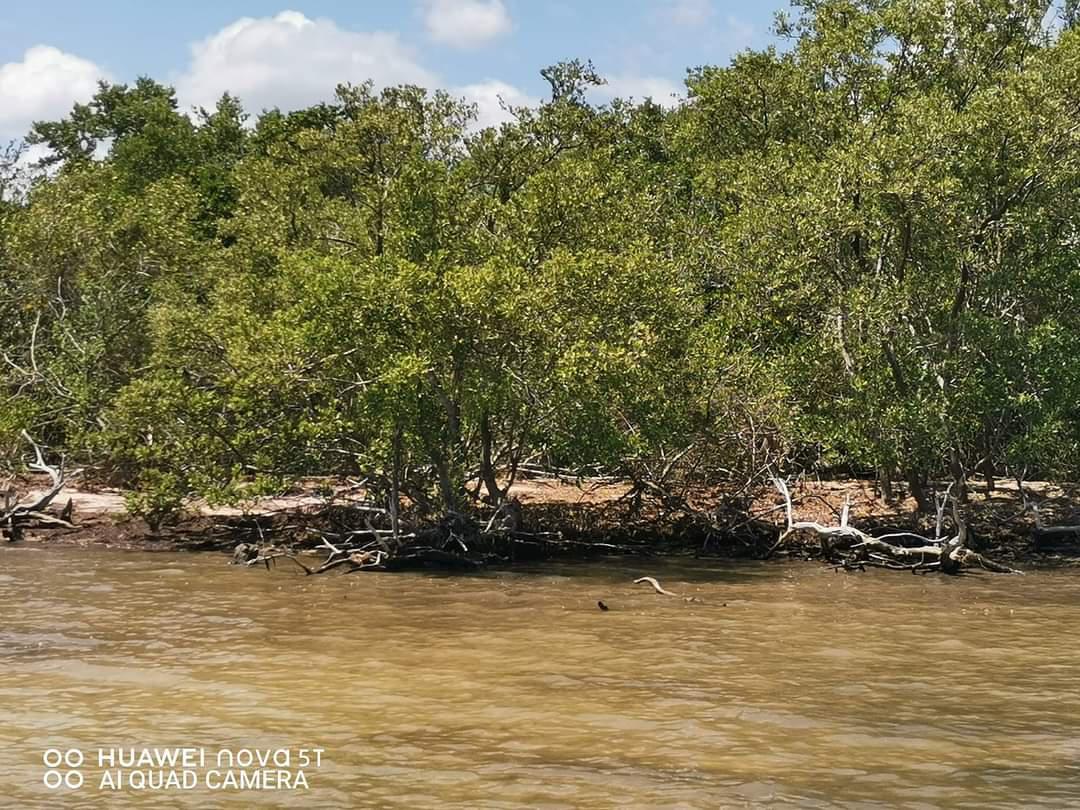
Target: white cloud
{"type": "Point", "coordinates": [638, 88]}
{"type": "Point", "coordinates": [17, 176]}
{"type": "Point", "coordinates": [486, 95]}
{"type": "Point", "coordinates": [35, 153]}
{"type": "Point", "coordinates": [737, 35]}
{"type": "Point", "coordinates": [465, 23]}
{"type": "Point", "coordinates": [291, 61]}
{"type": "Point", "coordinates": [689, 13]}
{"type": "Point", "coordinates": [701, 21]}
{"type": "Point", "coordinates": [43, 85]}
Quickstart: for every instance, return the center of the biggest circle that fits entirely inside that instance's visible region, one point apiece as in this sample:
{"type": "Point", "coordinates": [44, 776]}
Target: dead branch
{"type": "Point", "coordinates": [249, 556]}
{"type": "Point", "coordinates": [851, 548]}
{"type": "Point", "coordinates": [15, 517]}
{"type": "Point", "coordinates": [56, 474]}
{"type": "Point", "coordinates": [656, 586]}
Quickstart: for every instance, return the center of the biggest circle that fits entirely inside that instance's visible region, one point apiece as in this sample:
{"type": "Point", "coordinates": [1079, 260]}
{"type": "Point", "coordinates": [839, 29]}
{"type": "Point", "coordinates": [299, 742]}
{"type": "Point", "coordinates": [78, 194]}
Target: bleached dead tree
{"type": "Point", "coordinates": [850, 547]}
{"type": "Point", "coordinates": [16, 517]}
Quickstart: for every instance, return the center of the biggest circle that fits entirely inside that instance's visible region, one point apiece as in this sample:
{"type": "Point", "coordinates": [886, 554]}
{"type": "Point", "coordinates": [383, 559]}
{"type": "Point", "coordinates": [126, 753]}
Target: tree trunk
{"type": "Point", "coordinates": [917, 485]}
{"type": "Point", "coordinates": [395, 485]}
{"type": "Point", "coordinates": [986, 466]}
{"type": "Point", "coordinates": [959, 477]}
{"type": "Point", "coordinates": [446, 483]}
{"type": "Point", "coordinates": [885, 475]}
{"type": "Point", "coordinates": [487, 470]}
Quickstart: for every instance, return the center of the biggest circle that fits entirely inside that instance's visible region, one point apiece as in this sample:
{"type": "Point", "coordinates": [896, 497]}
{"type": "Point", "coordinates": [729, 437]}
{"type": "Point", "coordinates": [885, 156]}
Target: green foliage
{"type": "Point", "coordinates": [857, 252]}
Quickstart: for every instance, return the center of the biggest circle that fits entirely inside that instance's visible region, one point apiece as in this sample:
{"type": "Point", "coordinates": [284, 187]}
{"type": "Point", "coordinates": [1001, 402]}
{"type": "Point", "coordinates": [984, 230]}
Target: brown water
{"type": "Point", "coordinates": [807, 688]}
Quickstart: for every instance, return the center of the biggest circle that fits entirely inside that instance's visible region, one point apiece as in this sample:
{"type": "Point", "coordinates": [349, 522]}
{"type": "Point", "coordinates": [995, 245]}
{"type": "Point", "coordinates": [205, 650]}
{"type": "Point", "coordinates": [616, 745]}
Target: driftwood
{"type": "Point", "coordinates": [851, 548]}
{"type": "Point", "coordinates": [17, 516]}
{"type": "Point", "coordinates": [656, 586]}
{"type": "Point", "coordinates": [267, 555]}
{"type": "Point", "coordinates": [413, 558]}
{"type": "Point", "coordinates": [1045, 536]}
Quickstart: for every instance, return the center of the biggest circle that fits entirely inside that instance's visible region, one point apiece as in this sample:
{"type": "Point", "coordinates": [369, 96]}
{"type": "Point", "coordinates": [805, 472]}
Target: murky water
{"type": "Point", "coordinates": [785, 685]}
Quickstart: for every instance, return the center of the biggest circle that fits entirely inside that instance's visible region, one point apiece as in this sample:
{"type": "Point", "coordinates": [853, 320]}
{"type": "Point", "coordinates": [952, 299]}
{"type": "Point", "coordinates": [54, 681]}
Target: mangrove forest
{"type": "Point", "coordinates": [852, 254]}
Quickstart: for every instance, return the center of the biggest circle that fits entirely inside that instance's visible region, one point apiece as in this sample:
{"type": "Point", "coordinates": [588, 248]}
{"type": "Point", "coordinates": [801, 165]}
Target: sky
{"type": "Point", "coordinates": [293, 53]}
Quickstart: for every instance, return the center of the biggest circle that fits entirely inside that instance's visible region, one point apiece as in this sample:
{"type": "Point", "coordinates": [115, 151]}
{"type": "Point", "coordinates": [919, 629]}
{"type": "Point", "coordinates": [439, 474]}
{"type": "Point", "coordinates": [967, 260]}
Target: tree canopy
{"type": "Point", "coordinates": [856, 251]}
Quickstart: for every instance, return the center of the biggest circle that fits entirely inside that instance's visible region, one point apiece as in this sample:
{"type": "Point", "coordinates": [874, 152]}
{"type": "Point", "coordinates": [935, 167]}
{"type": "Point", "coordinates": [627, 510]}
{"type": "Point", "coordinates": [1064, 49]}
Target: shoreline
{"type": "Point", "coordinates": [575, 522]}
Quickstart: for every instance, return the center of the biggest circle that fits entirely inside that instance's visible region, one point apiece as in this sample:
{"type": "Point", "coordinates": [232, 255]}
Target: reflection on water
{"type": "Point", "coordinates": [785, 685]}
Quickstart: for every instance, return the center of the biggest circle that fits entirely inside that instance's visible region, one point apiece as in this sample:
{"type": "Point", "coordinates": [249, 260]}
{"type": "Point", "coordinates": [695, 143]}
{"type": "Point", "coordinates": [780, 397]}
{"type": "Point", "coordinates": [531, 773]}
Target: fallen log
{"type": "Point", "coordinates": [848, 547]}
{"type": "Point", "coordinates": [1044, 537]}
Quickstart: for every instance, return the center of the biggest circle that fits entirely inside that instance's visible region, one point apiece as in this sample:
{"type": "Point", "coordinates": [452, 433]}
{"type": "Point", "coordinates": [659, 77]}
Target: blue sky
{"type": "Point", "coordinates": [293, 52]}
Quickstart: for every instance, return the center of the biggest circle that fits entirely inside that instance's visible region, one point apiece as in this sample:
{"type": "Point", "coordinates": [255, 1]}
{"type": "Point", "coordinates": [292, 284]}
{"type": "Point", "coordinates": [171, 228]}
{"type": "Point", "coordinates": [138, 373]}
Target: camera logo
{"type": "Point", "coordinates": [62, 768]}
